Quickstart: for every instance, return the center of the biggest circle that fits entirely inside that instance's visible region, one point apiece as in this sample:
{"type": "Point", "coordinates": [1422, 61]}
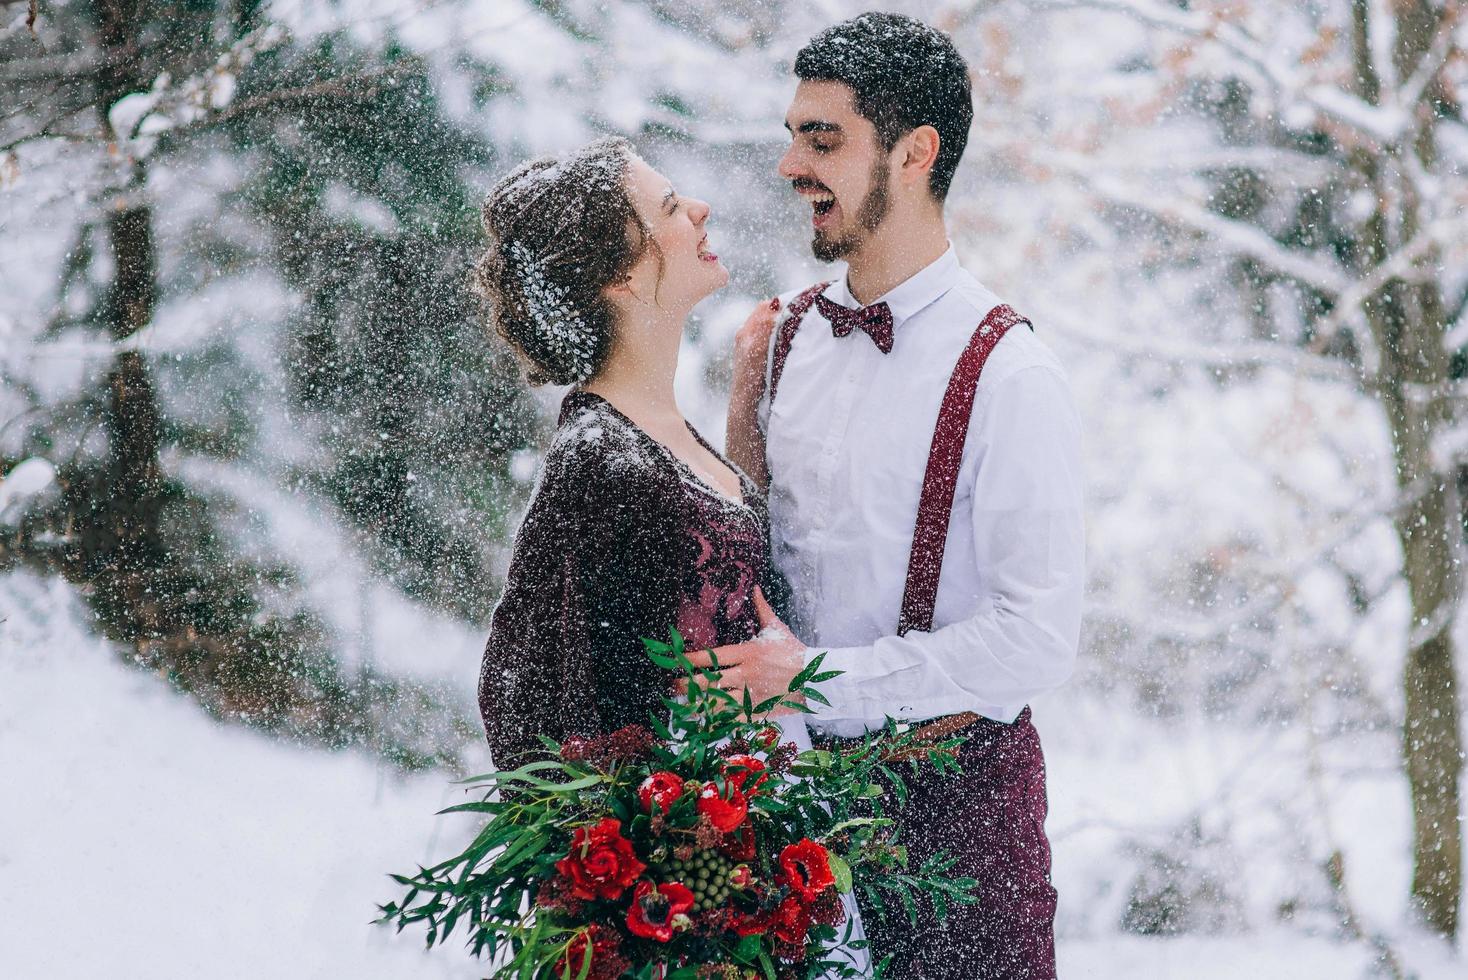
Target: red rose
{"type": "Point", "coordinates": [601, 863]}
{"type": "Point", "coordinates": [607, 963]}
{"type": "Point", "coordinates": [738, 768]}
{"type": "Point", "coordinates": [768, 736]}
{"type": "Point", "coordinates": [739, 845]}
{"type": "Point", "coordinates": [655, 906]}
{"type": "Point", "coordinates": [792, 920]}
{"type": "Point", "coordinates": [726, 813]}
{"type": "Point", "coordinates": [807, 868]}
{"type": "Point", "coordinates": [663, 787]}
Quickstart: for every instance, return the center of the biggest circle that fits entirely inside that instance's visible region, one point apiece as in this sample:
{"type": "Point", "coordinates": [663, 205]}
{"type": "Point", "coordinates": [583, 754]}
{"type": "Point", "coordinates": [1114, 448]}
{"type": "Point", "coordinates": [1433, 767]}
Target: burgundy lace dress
{"type": "Point", "coordinates": [621, 541]}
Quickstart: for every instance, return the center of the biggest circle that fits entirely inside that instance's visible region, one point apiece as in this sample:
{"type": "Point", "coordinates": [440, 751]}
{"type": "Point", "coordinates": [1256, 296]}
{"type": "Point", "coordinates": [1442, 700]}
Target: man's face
{"type": "Point", "coordinates": [837, 165]}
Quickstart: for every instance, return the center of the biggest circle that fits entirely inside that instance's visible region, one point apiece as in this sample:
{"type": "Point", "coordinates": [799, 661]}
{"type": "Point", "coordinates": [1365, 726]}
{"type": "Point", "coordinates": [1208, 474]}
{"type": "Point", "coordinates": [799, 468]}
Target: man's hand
{"type": "Point", "coordinates": [765, 665]}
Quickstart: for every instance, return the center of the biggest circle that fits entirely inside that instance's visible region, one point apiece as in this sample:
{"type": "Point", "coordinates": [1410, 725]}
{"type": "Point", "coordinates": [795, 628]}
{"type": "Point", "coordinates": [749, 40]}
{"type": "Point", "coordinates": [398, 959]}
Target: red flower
{"type": "Point", "coordinates": [739, 845]}
{"type": "Point", "coordinates": [741, 876]}
{"type": "Point", "coordinates": [607, 963]}
{"type": "Point", "coordinates": [752, 923]}
{"type": "Point", "coordinates": [726, 814]}
{"type": "Point", "coordinates": [654, 908]}
{"type": "Point", "coordinates": [601, 863]}
{"type": "Point", "coordinates": [663, 787]}
{"type": "Point", "coordinates": [738, 768]}
{"type": "Point", "coordinates": [768, 736]}
{"type": "Point", "coordinates": [807, 868]}
{"type": "Point", "coordinates": [792, 920]}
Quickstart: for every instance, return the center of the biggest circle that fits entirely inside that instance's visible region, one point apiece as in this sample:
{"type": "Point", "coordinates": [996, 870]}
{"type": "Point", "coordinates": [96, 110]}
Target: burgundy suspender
{"type": "Point", "coordinates": [786, 337]}
{"type": "Point", "coordinates": [940, 479]}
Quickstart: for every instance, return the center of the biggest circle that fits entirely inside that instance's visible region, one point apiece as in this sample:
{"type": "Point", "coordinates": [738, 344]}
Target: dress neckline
{"type": "Point", "coordinates": [743, 478]}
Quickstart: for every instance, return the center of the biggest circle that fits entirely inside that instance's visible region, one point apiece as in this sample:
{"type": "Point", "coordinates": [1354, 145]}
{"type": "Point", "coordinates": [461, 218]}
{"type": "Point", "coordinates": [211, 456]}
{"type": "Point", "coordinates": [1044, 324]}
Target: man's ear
{"type": "Point", "coordinates": [922, 153]}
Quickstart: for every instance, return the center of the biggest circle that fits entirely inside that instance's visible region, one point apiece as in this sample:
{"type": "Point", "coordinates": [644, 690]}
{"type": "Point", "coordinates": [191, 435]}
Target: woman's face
{"type": "Point", "coordinates": [689, 271]}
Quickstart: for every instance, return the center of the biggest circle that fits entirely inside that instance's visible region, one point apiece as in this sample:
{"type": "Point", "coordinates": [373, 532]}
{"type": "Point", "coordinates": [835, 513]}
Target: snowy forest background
{"type": "Point", "coordinates": [261, 463]}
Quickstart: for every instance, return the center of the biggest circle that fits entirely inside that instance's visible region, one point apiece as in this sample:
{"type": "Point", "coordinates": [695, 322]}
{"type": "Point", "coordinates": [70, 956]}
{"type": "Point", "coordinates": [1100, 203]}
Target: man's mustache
{"type": "Point", "coordinates": [804, 184]}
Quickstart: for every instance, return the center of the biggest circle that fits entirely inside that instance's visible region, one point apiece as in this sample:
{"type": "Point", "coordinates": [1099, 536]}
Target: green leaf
{"type": "Point", "coordinates": [664, 661]}
{"type": "Point", "coordinates": [767, 704]}
{"type": "Point", "coordinates": [841, 871]}
{"type": "Point", "coordinates": [801, 679]}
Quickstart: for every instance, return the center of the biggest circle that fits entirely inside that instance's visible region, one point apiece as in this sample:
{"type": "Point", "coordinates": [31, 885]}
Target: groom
{"type": "Point", "coordinates": [922, 455]}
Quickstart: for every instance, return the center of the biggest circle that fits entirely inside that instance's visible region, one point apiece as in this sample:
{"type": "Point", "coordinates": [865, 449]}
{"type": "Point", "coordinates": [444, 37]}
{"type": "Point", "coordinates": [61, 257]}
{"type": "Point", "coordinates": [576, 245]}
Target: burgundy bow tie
{"type": "Point", "coordinates": [876, 320]}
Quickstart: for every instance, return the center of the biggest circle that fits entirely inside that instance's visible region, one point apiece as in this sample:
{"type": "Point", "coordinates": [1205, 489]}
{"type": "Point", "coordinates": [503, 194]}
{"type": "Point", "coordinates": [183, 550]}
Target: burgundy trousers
{"type": "Point", "coordinates": [992, 817]}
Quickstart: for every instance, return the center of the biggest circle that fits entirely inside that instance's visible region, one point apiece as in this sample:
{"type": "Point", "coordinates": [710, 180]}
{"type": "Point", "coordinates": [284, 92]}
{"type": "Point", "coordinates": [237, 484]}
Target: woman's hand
{"type": "Point", "coordinates": [766, 664]}
{"type": "Point", "coordinates": [744, 441]}
{"type": "Point", "coordinates": [752, 346]}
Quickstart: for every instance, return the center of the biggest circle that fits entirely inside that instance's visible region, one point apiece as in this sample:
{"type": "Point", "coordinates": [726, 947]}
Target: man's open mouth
{"type": "Point", "coordinates": [822, 203]}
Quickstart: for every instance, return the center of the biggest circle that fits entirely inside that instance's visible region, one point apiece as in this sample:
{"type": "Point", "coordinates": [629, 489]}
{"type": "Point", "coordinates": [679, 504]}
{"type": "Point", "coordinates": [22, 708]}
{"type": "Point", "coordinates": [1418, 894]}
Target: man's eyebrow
{"type": "Point", "coordinates": [815, 126]}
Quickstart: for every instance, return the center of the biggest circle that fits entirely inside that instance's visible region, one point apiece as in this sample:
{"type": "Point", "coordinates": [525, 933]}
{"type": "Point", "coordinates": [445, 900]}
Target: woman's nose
{"type": "Point", "coordinates": [699, 210]}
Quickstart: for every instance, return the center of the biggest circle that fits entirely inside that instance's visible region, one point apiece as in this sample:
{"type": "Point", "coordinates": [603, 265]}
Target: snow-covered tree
{"type": "Point", "coordinates": [1318, 150]}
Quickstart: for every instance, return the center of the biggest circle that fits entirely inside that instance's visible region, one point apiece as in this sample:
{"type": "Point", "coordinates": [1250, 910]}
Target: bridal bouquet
{"type": "Point", "coordinates": [700, 849]}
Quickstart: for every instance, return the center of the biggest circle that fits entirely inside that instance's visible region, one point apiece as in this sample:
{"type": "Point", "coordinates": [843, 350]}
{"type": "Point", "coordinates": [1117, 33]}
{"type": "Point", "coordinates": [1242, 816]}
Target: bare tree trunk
{"type": "Point", "coordinates": [129, 530]}
{"type": "Point", "coordinates": [1427, 526]}
{"type": "Point", "coordinates": [1407, 320]}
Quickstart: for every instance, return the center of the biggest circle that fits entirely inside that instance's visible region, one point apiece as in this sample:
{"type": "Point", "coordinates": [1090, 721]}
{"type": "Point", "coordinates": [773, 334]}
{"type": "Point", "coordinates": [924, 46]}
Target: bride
{"type": "Point", "coordinates": [637, 523]}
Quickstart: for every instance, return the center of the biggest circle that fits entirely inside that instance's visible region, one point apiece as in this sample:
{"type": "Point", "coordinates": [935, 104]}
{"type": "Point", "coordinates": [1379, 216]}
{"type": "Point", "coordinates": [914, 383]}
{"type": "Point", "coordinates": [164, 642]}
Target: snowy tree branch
{"type": "Point", "coordinates": [1368, 123]}
{"type": "Point", "coordinates": [1442, 48]}
{"type": "Point", "coordinates": [1399, 265]}
{"type": "Point", "coordinates": [1159, 346]}
{"type": "Point", "coordinates": [1236, 235]}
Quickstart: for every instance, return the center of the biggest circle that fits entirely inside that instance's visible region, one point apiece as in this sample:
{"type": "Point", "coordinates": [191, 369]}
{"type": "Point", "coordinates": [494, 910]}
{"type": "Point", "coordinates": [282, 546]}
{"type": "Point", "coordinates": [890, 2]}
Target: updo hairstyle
{"type": "Point", "coordinates": [561, 230]}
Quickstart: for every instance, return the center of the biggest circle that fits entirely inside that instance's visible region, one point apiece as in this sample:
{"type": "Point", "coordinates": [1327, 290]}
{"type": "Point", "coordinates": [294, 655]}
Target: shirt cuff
{"type": "Point", "coordinates": [845, 692]}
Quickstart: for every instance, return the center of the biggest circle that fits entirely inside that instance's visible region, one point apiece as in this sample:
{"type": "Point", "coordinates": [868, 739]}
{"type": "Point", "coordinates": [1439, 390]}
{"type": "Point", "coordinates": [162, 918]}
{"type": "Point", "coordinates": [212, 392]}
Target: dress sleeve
{"type": "Point", "coordinates": [536, 677]}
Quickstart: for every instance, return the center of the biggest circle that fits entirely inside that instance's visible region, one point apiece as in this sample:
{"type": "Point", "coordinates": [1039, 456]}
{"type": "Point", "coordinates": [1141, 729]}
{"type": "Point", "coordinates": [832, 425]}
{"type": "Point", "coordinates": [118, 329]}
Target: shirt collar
{"type": "Point", "coordinates": [913, 294]}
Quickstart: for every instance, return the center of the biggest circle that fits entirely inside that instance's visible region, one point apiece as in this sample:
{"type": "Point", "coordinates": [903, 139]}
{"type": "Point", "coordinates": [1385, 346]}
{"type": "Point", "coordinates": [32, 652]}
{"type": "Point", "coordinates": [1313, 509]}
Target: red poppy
{"type": "Point", "coordinates": [807, 868]}
{"type": "Point", "coordinates": [739, 845]}
{"type": "Point", "coordinates": [601, 863]}
{"type": "Point", "coordinates": [738, 768]}
{"type": "Point", "coordinates": [655, 906]}
{"type": "Point", "coordinates": [663, 787]}
{"type": "Point", "coordinates": [792, 919]}
{"type": "Point", "coordinates": [725, 812]}
{"type": "Point", "coordinates": [752, 923]}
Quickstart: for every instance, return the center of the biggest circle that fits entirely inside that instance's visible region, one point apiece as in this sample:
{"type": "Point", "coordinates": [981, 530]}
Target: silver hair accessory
{"type": "Point", "coordinates": [556, 320]}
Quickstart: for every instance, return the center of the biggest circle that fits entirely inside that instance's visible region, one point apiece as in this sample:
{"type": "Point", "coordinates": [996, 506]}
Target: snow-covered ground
{"type": "Point", "coordinates": [138, 838]}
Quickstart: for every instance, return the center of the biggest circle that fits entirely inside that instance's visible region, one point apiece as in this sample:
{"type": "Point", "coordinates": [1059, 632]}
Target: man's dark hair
{"type": "Point", "coordinates": [905, 74]}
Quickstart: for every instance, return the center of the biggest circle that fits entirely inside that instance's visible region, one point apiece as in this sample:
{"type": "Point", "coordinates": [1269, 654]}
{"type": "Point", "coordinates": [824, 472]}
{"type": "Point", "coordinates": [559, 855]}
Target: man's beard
{"type": "Point", "coordinates": [869, 215]}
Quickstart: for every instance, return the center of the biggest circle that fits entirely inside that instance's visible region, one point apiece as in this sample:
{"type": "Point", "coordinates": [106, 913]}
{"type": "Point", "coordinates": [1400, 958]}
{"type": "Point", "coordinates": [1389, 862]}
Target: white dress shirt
{"type": "Point", "coordinates": [847, 444]}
